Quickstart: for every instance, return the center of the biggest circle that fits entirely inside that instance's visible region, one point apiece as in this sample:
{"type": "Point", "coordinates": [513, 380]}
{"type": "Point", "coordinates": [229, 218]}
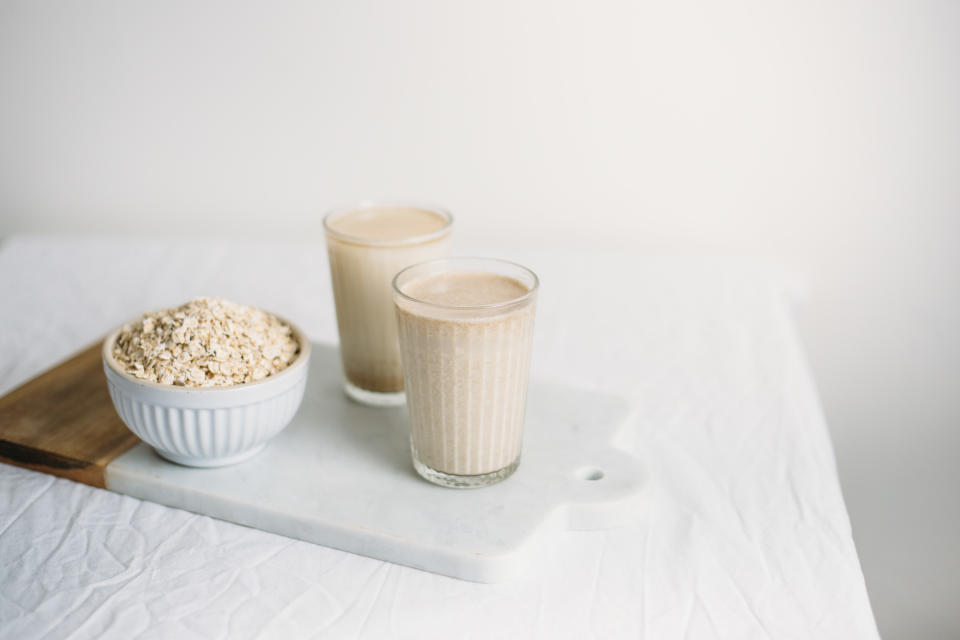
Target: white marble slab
{"type": "Point", "coordinates": [340, 475]}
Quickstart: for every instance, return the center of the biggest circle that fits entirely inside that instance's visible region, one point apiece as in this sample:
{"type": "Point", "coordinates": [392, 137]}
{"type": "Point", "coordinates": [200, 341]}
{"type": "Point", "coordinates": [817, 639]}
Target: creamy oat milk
{"type": "Point", "coordinates": [367, 246]}
{"type": "Point", "coordinates": [466, 328]}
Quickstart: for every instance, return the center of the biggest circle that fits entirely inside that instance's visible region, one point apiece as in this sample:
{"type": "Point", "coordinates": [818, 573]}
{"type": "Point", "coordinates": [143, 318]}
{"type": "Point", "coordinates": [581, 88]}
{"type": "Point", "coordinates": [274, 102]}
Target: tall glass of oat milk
{"type": "Point", "coordinates": [368, 244]}
{"type": "Point", "coordinates": [466, 333]}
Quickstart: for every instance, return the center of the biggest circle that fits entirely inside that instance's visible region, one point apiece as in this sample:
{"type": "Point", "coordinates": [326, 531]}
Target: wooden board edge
{"type": "Point", "coordinates": [96, 345]}
{"type": "Point", "coordinates": [93, 474]}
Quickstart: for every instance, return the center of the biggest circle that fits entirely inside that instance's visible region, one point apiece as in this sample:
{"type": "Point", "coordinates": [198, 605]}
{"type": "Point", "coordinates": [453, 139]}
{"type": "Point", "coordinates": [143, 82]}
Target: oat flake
{"type": "Point", "coordinates": [208, 342]}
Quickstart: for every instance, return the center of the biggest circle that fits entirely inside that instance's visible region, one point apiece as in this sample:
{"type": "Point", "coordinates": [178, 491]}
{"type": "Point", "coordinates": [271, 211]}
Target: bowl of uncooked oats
{"type": "Point", "coordinates": [208, 383]}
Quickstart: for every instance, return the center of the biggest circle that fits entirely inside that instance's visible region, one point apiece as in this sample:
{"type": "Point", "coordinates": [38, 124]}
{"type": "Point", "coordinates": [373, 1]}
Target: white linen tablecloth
{"type": "Point", "coordinates": [746, 535]}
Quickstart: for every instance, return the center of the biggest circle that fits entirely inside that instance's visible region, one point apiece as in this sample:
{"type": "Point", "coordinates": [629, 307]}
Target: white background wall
{"type": "Point", "coordinates": [822, 135]}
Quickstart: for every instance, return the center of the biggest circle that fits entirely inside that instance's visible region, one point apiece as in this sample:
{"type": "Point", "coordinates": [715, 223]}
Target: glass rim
{"type": "Point", "coordinates": [364, 205]}
{"type": "Point", "coordinates": [473, 307]}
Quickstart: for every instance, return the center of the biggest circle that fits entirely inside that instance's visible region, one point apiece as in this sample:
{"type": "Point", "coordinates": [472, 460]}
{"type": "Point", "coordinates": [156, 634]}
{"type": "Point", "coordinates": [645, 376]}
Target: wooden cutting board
{"type": "Point", "coordinates": [63, 422]}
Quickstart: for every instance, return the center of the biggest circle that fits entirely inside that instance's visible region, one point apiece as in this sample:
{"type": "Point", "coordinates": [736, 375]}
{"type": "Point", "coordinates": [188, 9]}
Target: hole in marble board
{"type": "Point", "coordinates": [590, 473]}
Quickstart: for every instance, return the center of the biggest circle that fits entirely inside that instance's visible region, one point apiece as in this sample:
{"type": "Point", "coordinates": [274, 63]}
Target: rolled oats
{"type": "Point", "coordinates": [208, 342]}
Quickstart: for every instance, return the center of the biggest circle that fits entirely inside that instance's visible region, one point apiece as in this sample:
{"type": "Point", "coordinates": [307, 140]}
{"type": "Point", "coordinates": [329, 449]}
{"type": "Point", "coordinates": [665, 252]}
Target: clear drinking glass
{"type": "Point", "coordinates": [466, 343]}
{"type": "Point", "coordinates": [368, 244]}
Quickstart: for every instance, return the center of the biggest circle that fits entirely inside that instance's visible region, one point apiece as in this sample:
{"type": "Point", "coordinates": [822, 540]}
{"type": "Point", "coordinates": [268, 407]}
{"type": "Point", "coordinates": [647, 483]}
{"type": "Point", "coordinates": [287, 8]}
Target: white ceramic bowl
{"type": "Point", "coordinates": [211, 426]}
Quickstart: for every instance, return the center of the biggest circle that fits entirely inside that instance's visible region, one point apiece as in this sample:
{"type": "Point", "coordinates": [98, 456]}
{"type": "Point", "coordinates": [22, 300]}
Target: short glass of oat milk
{"type": "Point", "coordinates": [368, 244]}
{"type": "Point", "coordinates": [466, 333]}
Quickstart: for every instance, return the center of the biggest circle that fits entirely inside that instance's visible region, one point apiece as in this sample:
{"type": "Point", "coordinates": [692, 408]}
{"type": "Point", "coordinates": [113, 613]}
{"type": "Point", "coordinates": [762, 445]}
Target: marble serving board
{"type": "Point", "coordinates": [340, 475]}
